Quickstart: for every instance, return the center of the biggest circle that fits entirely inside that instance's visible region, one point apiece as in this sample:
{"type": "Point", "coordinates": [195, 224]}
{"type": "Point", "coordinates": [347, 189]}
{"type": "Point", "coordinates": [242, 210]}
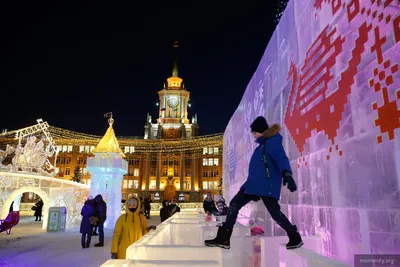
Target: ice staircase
{"type": "Point", "coordinates": [179, 241]}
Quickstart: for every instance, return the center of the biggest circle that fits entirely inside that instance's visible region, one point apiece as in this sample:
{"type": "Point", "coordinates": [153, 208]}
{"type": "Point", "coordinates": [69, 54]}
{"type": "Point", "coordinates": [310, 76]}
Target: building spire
{"type": "Point", "coordinates": [175, 67]}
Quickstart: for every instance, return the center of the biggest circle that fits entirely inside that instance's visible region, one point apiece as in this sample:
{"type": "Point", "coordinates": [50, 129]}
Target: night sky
{"type": "Point", "coordinates": [69, 63]}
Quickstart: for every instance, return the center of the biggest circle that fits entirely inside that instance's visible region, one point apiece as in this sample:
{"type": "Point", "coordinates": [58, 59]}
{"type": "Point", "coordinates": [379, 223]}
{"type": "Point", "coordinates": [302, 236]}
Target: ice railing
{"type": "Point", "coordinates": [179, 241]}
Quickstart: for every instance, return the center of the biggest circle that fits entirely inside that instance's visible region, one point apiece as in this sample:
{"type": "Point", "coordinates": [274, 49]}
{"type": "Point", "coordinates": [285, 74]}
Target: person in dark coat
{"type": "Point", "coordinates": [101, 211]}
{"type": "Point", "coordinates": [221, 205]}
{"type": "Point", "coordinates": [141, 205]}
{"type": "Point", "coordinates": [268, 165]}
{"type": "Point", "coordinates": [38, 210]}
{"type": "Point", "coordinates": [164, 212]}
{"type": "Point", "coordinates": [88, 212]}
{"type": "Point", "coordinates": [173, 207]}
{"type": "Point", "coordinates": [147, 207]}
{"type": "Point", "coordinates": [209, 205]}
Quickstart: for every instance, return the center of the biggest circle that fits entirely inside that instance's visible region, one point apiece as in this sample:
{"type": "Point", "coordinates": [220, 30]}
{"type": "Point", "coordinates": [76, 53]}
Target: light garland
{"type": "Point", "coordinates": [193, 146]}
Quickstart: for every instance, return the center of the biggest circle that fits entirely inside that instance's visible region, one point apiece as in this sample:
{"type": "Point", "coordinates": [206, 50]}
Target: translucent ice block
{"type": "Point", "coordinates": [156, 263]}
{"type": "Point", "coordinates": [303, 257]}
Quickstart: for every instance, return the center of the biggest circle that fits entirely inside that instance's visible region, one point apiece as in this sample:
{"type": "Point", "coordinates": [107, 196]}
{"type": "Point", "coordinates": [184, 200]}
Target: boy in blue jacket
{"type": "Point", "coordinates": [269, 165]}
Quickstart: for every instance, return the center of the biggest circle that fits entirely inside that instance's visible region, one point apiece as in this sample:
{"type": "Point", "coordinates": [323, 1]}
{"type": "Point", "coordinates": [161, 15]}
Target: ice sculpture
{"type": "Point", "coordinates": [54, 193]}
{"type": "Point", "coordinates": [330, 76]}
{"type": "Point", "coordinates": [107, 168]}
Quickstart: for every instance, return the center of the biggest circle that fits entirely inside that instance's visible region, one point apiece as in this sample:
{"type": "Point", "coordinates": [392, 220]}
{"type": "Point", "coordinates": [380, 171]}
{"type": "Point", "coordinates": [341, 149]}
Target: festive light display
{"type": "Point", "coordinates": [193, 146]}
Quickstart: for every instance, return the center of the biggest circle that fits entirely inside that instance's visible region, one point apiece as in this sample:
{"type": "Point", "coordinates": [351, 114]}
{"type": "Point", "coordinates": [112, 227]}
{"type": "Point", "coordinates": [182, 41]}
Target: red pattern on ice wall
{"type": "Point", "coordinates": [330, 75]}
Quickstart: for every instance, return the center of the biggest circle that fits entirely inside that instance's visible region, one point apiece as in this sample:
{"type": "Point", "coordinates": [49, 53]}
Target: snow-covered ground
{"type": "Point", "coordinates": [29, 245]}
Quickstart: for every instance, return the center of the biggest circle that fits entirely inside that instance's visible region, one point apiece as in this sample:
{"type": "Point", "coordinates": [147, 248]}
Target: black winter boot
{"type": "Point", "coordinates": [295, 240]}
{"type": "Point", "coordinates": [222, 240]}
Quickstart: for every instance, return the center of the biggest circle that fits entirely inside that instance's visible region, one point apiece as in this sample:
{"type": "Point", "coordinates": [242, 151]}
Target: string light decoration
{"type": "Point", "coordinates": [192, 146]}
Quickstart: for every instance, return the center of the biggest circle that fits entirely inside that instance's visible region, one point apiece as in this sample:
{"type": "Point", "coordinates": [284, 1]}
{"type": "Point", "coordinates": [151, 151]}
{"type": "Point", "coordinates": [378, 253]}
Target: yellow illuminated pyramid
{"type": "Point", "coordinates": [109, 143]}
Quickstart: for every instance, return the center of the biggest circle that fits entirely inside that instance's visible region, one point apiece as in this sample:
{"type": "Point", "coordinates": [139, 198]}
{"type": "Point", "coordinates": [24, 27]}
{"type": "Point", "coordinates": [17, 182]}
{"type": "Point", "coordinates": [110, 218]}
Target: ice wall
{"type": "Point", "coordinates": [330, 76]}
{"type": "Point", "coordinates": [107, 171]}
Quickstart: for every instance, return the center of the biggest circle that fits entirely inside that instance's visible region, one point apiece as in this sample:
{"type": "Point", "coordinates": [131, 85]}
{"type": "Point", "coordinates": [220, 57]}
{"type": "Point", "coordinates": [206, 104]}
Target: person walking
{"type": "Point", "coordinates": [268, 165]}
{"type": "Point", "coordinates": [147, 207]}
{"type": "Point", "coordinates": [38, 210]}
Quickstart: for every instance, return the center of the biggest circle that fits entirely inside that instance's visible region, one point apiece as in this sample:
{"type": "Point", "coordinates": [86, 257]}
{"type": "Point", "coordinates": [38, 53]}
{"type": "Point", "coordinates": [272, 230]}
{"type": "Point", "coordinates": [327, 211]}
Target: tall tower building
{"type": "Point", "coordinates": [173, 121]}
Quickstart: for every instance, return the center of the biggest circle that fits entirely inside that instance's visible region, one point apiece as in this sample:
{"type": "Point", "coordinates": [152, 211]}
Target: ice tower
{"type": "Point", "coordinates": [107, 168]}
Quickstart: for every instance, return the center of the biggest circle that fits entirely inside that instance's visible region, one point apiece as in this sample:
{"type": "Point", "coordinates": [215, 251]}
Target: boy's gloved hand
{"type": "Point", "coordinates": [288, 179]}
{"type": "Point", "coordinates": [114, 256]}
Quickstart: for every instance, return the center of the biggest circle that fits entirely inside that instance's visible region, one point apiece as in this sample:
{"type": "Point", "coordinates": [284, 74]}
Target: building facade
{"type": "Point", "coordinates": [171, 159]}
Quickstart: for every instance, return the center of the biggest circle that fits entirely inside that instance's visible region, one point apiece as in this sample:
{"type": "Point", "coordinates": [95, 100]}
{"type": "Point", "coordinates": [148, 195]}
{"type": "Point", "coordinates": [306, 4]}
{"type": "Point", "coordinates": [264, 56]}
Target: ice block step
{"type": "Point", "coordinates": [303, 257]}
{"type": "Point", "coordinates": [171, 253]}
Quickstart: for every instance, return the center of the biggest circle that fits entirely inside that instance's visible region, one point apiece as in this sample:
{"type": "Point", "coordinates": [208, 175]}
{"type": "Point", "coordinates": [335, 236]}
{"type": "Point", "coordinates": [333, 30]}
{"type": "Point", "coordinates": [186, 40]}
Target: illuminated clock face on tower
{"type": "Point", "coordinates": [173, 102]}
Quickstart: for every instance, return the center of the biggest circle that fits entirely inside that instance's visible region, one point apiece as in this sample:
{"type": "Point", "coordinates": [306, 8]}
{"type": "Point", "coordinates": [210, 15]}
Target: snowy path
{"type": "Point", "coordinates": [28, 245]}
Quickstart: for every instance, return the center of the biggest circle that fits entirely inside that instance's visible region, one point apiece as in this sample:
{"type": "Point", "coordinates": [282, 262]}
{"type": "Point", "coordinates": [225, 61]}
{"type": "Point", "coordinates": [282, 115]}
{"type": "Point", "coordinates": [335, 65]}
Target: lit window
{"type": "Point", "coordinates": [81, 149]}
{"type": "Point", "coordinates": [205, 185]}
{"type": "Point", "coordinates": [67, 171]}
{"type": "Point", "coordinates": [91, 148]}
{"type": "Point", "coordinates": [69, 148]}
{"type": "Point", "coordinates": [216, 162]}
{"type": "Point", "coordinates": [126, 150]}
{"type": "Point", "coordinates": [131, 149]}
{"type": "Point", "coordinates": [210, 150]}
{"type": "Point", "coordinates": [125, 184]}
{"type": "Point", "coordinates": [205, 162]}
{"type": "Point", "coordinates": [136, 184]}
{"type": "Point", "coordinates": [210, 162]}
{"type": "Point", "coordinates": [187, 185]}
{"type": "Point", "coordinates": [87, 149]}
{"type": "Point", "coordinates": [64, 148]}
{"type": "Point", "coordinates": [68, 161]}
{"type": "Point", "coordinates": [215, 184]}
{"type": "Point", "coordinates": [216, 150]}
{"type": "Point", "coordinates": [130, 184]}
{"type": "Point", "coordinates": [136, 172]}
{"type": "Point", "coordinates": [58, 149]}
{"type": "Point", "coordinates": [205, 150]}
{"type": "Point", "coordinates": [152, 184]}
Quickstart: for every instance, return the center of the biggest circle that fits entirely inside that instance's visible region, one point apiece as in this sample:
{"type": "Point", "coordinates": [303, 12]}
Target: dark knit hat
{"type": "Point", "coordinates": [259, 125]}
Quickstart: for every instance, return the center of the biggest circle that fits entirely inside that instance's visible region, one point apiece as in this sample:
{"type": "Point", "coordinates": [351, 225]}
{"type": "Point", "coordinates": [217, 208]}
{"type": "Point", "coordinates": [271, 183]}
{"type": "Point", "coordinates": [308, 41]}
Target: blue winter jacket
{"type": "Point", "coordinates": [258, 182]}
